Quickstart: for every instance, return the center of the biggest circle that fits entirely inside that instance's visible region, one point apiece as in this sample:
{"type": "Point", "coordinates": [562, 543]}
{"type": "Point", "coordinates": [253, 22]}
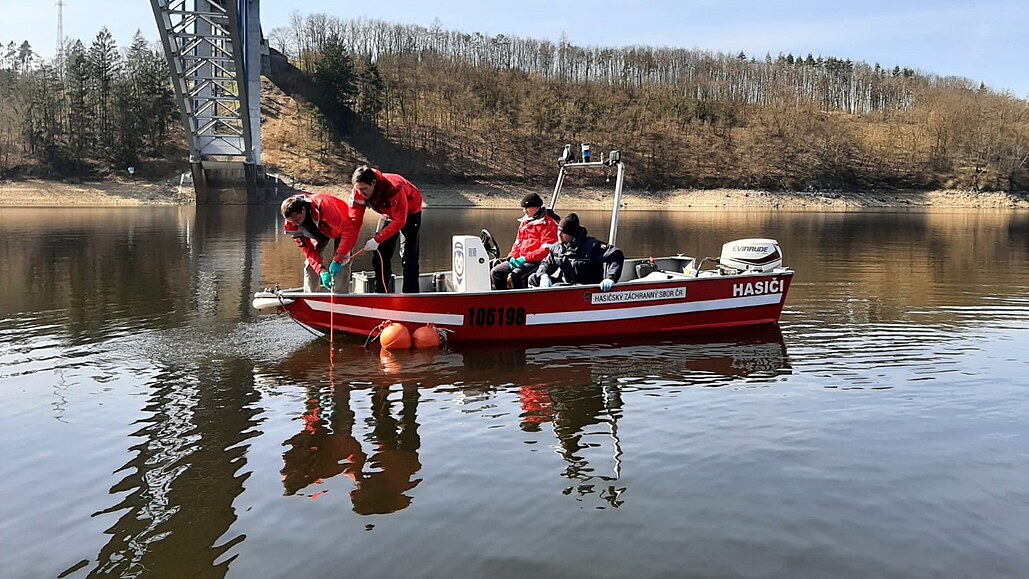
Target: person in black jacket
{"type": "Point", "coordinates": [579, 259]}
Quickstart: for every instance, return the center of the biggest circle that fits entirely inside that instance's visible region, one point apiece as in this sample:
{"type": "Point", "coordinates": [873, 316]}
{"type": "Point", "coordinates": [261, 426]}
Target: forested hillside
{"type": "Point", "coordinates": [96, 110]}
{"type": "Point", "coordinates": [452, 106]}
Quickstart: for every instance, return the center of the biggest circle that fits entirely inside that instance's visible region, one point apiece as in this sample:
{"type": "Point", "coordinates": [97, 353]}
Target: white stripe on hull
{"type": "Point", "coordinates": [391, 315]}
{"type": "Point", "coordinates": [650, 311]}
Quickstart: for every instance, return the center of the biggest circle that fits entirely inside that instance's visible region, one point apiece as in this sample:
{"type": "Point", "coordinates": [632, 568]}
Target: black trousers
{"type": "Point", "coordinates": [519, 275]}
{"type": "Point", "coordinates": [383, 257]}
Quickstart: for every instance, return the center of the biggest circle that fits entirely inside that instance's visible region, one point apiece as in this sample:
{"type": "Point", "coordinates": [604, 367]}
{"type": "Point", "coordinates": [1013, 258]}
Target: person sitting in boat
{"type": "Point", "coordinates": [318, 222]}
{"type": "Point", "coordinates": [399, 203]}
{"type": "Point", "coordinates": [579, 259]}
{"type": "Point", "coordinates": [537, 231]}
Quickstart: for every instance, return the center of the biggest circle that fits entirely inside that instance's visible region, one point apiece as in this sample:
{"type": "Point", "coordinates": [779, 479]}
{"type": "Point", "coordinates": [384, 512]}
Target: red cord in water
{"type": "Point", "coordinates": [332, 309]}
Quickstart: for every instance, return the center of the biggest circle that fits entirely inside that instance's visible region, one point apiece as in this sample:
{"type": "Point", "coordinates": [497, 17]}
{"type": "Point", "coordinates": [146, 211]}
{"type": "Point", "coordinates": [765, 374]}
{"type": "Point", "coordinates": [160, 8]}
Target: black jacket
{"type": "Point", "coordinates": [586, 260]}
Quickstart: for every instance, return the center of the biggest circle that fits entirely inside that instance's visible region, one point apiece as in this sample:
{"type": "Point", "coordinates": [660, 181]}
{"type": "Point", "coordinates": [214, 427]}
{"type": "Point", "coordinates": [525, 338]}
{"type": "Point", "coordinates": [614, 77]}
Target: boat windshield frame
{"type": "Point", "coordinates": [602, 164]}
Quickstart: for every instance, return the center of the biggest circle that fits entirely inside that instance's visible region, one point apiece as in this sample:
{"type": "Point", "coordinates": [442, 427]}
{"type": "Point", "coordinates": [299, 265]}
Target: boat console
{"type": "Point", "coordinates": [471, 265]}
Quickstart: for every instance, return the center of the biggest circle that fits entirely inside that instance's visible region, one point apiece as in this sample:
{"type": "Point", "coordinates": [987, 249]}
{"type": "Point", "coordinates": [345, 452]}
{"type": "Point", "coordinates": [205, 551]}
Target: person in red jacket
{"type": "Point", "coordinates": [399, 203]}
{"type": "Point", "coordinates": [537, 231]}
{"type": "Point", "coordinates": [318, 223]}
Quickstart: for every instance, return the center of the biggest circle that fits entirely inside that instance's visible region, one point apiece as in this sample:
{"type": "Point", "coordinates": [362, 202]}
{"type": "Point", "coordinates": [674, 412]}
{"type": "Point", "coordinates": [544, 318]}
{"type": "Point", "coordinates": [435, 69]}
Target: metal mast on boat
{"type": "Point", "coordinates": [567, 161]}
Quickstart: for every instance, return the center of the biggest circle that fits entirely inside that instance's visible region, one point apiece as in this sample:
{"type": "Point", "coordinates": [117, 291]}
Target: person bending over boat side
{"type": "Point", "coordinates": [318, 222]}
{"type": "Point", "coordinates": [537, 231]}
{"type": "Point", "coordinates": [399, 203]}
{"type": "Point", "coordinates": [579, 259]}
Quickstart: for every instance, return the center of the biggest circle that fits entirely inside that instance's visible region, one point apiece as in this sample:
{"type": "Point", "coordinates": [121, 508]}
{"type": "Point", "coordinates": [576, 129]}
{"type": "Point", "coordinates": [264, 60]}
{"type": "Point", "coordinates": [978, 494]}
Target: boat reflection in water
{"type": "Point", "coordinates": [571, 390]}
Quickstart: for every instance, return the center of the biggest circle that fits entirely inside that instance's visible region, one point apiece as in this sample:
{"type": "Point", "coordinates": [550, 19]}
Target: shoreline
{"type": "Point", "coordinates": [123, 193]}
{"type": "Point", "coordinates": [113, 193]}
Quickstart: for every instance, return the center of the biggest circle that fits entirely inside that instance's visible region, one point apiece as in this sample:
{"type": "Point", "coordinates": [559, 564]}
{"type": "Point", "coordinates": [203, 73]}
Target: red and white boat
{"type": "Point", "coordinates": [655, 297]}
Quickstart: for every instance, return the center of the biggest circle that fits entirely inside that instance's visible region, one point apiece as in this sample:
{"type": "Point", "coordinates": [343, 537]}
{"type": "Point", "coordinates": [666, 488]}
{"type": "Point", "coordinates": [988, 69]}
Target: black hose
{"type": "Point", "coordinates": [278, 294]}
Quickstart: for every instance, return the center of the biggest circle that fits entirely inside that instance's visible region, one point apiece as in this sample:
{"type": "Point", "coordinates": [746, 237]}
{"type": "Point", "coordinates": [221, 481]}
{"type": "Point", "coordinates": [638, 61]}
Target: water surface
{"type": "Point", "coordinates": [152, 424]}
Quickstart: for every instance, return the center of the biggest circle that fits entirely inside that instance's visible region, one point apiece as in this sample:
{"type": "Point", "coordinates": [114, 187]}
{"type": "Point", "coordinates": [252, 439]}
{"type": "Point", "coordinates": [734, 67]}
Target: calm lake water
{"type": "Point", "coordinates": [152, 424]}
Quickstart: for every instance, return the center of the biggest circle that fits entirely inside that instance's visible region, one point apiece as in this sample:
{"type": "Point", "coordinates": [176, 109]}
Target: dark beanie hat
{"type": "Point", "coordinates": [532, 200]}
{"type": "Point", "coordinates": [570, 225]}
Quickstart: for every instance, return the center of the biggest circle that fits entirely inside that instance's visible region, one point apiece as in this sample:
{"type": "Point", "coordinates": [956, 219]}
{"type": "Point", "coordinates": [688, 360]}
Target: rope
{"type": "Point", "coordinates": [332, 310]}
{"type": "Point", "coordinates": [382, 268]}
{"type": "Point", "coordinates": [442, 333]}
{"type": "Point", "coordinates": [372, 335]}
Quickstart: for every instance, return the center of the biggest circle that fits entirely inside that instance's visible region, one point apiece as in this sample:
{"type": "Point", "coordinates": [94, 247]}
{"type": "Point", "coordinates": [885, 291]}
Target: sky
{"type": "Point", "coordinates": [985, 41]}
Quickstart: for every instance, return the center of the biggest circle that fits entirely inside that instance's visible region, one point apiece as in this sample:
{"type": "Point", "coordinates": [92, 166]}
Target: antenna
{"type": "Point", "coordinates": [60, 38]}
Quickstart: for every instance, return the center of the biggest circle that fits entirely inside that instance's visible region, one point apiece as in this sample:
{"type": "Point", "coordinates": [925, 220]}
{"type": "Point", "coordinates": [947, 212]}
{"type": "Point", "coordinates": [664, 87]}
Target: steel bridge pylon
{"type": "Point", "coordinates": [214, 50]}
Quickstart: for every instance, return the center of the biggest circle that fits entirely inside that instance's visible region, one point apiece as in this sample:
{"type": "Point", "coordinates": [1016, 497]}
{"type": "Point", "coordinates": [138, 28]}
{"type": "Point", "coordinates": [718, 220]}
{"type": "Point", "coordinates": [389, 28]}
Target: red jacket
{"type": "Point", "coordinates": [535, 236]}
{"type": "Point", "coordinates": [394, 198]}
{"type": "Point", "coordinates": [332, 217]}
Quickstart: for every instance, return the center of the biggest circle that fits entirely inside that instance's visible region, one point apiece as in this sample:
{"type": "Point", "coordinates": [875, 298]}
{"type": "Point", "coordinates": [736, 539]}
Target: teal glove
{"type": "Point", "coordinates": [337, 265]}
{"type": "Point", "coordinates": [327, 280]}
{"type": "Point", "coordinates": [516, 262]}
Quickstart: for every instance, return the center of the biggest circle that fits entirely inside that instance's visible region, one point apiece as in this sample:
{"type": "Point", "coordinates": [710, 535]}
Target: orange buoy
{"type": "Point", "coordinates": [395, 337]}
{"type": "Point", "coordinates": [426, 337]}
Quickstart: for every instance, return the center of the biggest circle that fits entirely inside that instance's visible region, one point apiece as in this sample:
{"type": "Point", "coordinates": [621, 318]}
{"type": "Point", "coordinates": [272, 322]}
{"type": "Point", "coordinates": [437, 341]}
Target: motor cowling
{"type": "Point", "coordinates": [758, 255]}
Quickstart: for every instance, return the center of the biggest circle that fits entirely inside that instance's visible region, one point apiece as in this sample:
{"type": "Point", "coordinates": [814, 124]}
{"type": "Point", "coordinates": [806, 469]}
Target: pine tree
{"type": "Point", "coordinates": [80, 114]}
{"type": "Point", "coordinates": [336, 79]}
{"type": "Point", "coordinates": [104, 66]}
{"type": "Point", "coordinates": [25, 57]}
{"type": "Point", "coordinates": [371, 95]}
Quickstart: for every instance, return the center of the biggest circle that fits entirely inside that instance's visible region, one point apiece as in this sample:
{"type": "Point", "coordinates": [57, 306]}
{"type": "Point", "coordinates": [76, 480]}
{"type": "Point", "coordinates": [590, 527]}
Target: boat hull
{"type": "Point", "coordinates": [579, 313]}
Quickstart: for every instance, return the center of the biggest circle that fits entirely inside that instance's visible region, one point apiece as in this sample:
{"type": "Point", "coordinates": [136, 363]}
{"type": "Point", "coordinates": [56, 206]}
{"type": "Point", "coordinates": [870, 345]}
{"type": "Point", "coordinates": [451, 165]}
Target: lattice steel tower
{"type": "Point", "coordinates": [60, 38]}
{"type": "Point", "coordinates": [214, 51]}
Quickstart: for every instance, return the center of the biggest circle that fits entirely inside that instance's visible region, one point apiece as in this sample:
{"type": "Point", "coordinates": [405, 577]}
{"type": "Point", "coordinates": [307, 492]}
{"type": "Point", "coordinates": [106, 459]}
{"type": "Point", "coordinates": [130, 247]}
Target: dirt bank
{"type": "Point", "coordinates": [41, 193]}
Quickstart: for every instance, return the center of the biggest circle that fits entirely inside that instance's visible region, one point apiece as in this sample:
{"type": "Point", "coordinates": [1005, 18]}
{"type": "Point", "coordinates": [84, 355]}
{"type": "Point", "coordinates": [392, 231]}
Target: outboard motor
{"type": "Point", "coordinates": [757, 255]}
